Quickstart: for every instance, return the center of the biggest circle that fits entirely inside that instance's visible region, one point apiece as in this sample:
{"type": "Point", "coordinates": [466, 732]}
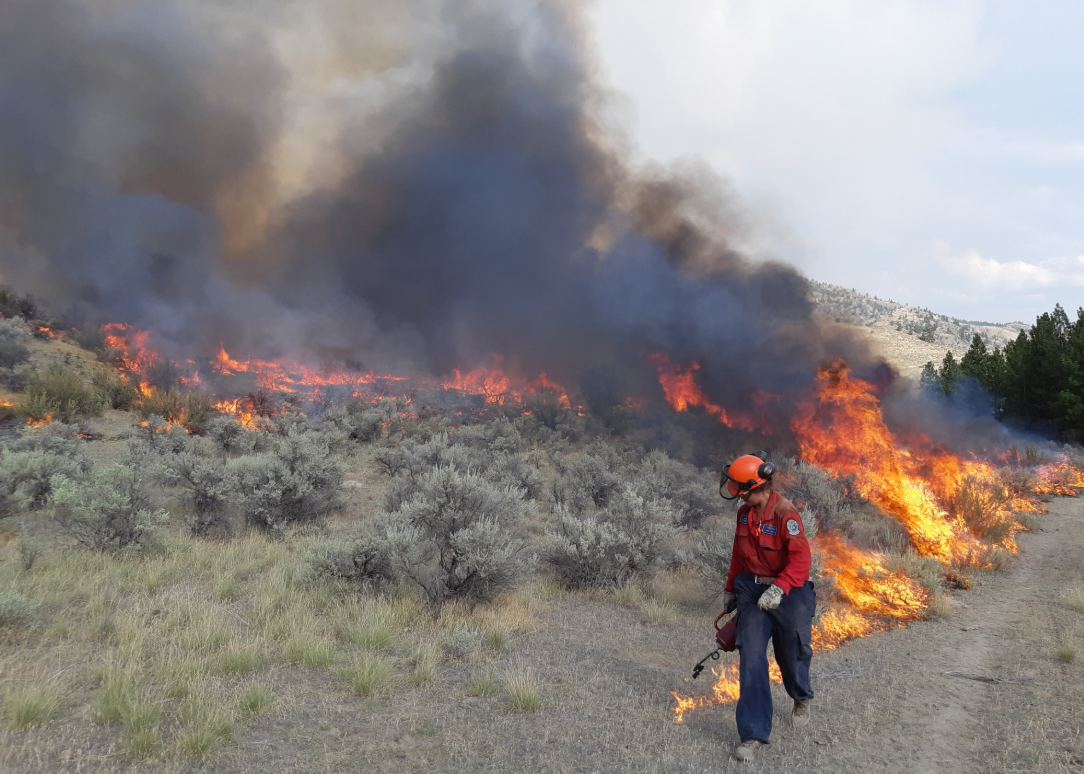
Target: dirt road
{"type": "Point", "coordinates": [981, 691]}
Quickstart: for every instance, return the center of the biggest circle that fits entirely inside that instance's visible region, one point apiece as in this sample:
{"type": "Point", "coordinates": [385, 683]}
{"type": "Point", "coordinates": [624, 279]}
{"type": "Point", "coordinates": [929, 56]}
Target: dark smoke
{"type": "Point", "coordinates": [485, 205]}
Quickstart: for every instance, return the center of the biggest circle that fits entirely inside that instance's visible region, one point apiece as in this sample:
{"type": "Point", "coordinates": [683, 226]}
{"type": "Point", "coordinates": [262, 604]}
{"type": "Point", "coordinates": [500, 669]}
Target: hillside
{"type": "Point", "coordinates": [907, 336]}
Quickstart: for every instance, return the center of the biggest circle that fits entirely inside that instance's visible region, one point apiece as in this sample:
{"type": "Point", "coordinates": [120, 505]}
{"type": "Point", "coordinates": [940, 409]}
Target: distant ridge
{"type": "Point", "coordinates": [849, 306]}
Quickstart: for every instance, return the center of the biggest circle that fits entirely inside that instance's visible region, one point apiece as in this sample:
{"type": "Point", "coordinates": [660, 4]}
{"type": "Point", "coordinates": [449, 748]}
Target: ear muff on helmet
{"type": "Point", "coordinates": [745, 474]}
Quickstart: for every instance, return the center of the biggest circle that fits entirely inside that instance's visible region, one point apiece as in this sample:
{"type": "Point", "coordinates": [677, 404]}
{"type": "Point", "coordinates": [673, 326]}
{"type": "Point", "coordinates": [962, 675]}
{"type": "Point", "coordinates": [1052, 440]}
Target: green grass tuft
{"type": "Point", "coordinates": [522, 689]}
{"type": "Point", "coordinates": [28, 707]}
{"type": "Point", "coordinates": [370, 675]}
{"type": "Point", "coordinates": [254, 699]}
{"type": "Point", "coordinates": [656, 613]}
{"type": "Point", "coordinates": [141, 726]}
{"type": "Point", "coordinates": [1066, 652]}
{"type": "Point", "coordinates": [1074, 600]}
{"type": "Point", "coordinates": [425, 659]}
{"type": "Point", "coordinates": [115, 698]}
{"type": "Point", "coordinates": [204, 729]}
{"type": "Point", "coordinates": [304, 651]}
{"type": "Point", "coordinates": [628, 594]}
{"type": "Point", "coordinates": [238, 660]}
{"type": "Point", "coordinates": [482, 685]}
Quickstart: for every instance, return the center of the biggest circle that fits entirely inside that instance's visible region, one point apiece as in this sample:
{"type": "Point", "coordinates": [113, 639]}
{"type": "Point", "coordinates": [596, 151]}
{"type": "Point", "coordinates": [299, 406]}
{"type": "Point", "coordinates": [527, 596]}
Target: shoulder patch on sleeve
{"type": "Point", "coordinates": [793, 527]}
{"type": "Point", "coordinates": [744, 518]}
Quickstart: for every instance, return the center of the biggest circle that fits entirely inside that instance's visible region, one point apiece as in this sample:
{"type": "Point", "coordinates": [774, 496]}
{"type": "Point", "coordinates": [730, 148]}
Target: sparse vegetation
{"type": "Point", "coordinates": [27, 707]}
{"type": "Point", "coordinates": [111, 510]}
{"type": "Point", "coordinates": [1074, 600]}
{"type": "Point", "coordinates": [483, 685]}
{"type": "Point", "coordinates": [656, 612]}
{"type": "Point", "coordinates": [254, 699]}
{"type": "Point", "coordinates": [188, 409]}
{"type": "Point", "coordinates": [347, 585]}
{"type": "Point", "coordinates": [58, 393]}
{"type": "Point", "coordinates": [16, 609]}
{"type": "Point", "coordinates": [370, 675]}
{"type": "Point", "coordinates": [14, 336]}
{"type": "Point", "coordinates": [523, 690]}
{"type": "Point", "coordinates": [627, 541]}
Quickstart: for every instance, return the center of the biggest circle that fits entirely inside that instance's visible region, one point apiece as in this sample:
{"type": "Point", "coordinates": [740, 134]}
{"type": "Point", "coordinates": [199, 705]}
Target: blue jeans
{"type": "Point", "coordinates": [789, 627]}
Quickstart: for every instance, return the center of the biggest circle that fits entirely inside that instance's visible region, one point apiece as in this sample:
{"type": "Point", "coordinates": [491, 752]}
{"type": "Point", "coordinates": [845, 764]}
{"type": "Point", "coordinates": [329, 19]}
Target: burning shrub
{"type": "Point", "coordinates": [188, 409]}
{"type": "Point", "coordinates": [1019, 480]}
{"type": "Point", "coordinates": [117, 392]}
{"type": "Point", "coordinates": [14, 336]}
{"type": "Point", "coordinates": [157, 437]}
{"type": "Point", "coordinates": [90, 337]}
{"type": "Point", "coordinates": [984, 508]}
{"type": "Point", "coordinates": [298, 480]}
{"type": "Point", "coordinates": [234, 438]}
{"type": "Point", "coordinates": [583, 481]}
{"type": "Point", "coordinates": [162, 374]}
{"type": "Point", "coordinates": [58, 393]}
{"type": "Point", "coordinates": [208, 488]}
{"type": "Point", "coordinates": [688, 492]}
{"type": "Point", "coordinates": [109, 511]}
{"type": "Point", "coordinates": [452, 537]}
{"type": "Point", "coordinates": [630, 539]}
{"type": "Point", "coordinates": [546, 406]}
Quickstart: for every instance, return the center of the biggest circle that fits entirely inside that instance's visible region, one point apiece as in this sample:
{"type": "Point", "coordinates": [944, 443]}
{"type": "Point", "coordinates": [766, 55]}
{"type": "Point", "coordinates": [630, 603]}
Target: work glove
{"type": "Point", "coordinates": [730, 602]}
{"type": "Point", "coordinates": [771, 598]}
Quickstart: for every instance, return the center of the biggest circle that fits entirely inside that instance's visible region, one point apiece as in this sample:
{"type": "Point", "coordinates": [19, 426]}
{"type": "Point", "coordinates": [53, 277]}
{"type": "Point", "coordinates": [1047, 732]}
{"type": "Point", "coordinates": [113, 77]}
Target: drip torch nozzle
{"type": "Point", "coordinates": [714, 655]}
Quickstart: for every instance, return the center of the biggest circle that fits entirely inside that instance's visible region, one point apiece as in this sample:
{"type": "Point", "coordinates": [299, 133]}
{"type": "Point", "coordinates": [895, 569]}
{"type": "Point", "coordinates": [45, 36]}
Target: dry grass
{"type": "Point", "coordinates": [628, 594]}
{"type": "Point", "coordinates": [424, 659]}
{"type": "Point", "coordinates": [656, 613]}
{"type": "Point", "coordinates": [199, 653]}
{"type": "Point", "coordinates": [254, 699]}
{"type": "Point", "coordinates": [205, 726]}
{"type": "Point", "coordinates": [28, 707]}
{"type": "Point", "coordinates": [1074, 600]}
{"type": "Point", "coordinates": [371, 675]}
{"type": "Point", "coordinates": [1066, 650]}
{"type": "Point", "coordinates": [483, 685]}
{"type": "Point", "coordinates": [522, 688]}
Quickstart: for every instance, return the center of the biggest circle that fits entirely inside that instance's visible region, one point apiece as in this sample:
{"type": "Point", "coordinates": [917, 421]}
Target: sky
{"type": "Point", "coordinates": [927, 152]}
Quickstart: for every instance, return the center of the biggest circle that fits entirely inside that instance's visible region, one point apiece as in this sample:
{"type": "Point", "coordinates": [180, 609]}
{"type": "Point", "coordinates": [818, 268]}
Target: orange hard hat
{"type": "Point", "coordinates": [743, 475]}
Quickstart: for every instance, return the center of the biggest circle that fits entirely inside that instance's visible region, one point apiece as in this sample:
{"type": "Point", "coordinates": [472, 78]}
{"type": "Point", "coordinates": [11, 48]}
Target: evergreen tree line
{"type": "Point", "coordinates": [1038, 378]}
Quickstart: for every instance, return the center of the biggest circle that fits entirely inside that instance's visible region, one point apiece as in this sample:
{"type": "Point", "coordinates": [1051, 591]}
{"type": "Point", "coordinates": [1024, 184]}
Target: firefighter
{"type": "Point", "coordinates": [768, 584]}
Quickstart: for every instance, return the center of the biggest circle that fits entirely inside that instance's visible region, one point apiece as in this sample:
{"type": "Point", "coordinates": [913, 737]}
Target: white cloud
{"type": "Point", "coordinates": [988, 275]}
{"type": "Point", "coordinates": [877, 128]}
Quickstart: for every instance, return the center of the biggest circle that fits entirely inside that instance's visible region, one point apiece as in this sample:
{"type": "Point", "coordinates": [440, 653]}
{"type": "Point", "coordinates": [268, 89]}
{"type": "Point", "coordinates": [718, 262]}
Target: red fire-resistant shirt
{"type": "Point", "coordinates": [773, 546]}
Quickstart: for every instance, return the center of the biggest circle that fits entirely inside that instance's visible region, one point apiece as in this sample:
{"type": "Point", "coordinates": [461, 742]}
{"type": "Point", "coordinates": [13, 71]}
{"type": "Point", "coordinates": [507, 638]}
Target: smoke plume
{"type": "Point", "coordinates": [415, 186]}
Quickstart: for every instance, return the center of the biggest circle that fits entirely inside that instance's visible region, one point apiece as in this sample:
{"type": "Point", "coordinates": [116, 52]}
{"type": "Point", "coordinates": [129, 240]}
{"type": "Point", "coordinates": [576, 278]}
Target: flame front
{"type": "Point", "coordinates": [842, 431]}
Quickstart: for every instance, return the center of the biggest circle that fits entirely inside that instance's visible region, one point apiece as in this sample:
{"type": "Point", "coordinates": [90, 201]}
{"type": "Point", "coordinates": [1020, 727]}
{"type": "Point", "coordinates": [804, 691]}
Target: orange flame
{"type": "Point", "coordinates": [682, 392]}
{"type": "Point", "coordinates": [842, 431]}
